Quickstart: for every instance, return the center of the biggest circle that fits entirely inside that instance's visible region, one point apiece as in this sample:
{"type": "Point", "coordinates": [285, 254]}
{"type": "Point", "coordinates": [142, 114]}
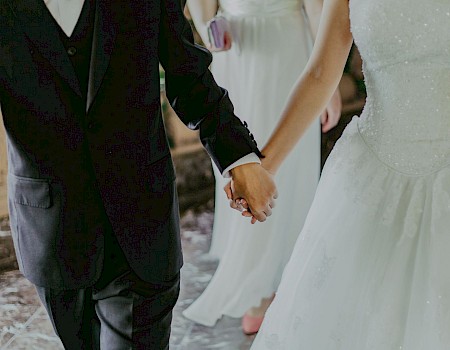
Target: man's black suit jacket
{"type": "Point", "coordinates": [72, 160]}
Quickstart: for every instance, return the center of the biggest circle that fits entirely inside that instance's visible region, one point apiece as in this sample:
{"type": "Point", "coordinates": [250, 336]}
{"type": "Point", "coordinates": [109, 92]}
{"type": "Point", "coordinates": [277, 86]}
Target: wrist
{"type": "Point", "coordinates": [241, 169]}
{"type": "Point", "coordinates": [268, 165]}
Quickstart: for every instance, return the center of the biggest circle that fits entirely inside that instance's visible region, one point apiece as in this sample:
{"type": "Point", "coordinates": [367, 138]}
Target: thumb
{"type": "Point", "coordinates": [227, 40]}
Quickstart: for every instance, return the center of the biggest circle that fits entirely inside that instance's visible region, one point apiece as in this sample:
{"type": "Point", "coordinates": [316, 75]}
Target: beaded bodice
{"type": "Point", "coordinates": [405, 46]}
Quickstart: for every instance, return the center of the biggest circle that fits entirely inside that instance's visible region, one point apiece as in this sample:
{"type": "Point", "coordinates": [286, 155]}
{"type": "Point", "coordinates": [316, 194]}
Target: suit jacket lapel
{"type": "Point", "coordinates": [102, 46]}
{"type": "Point", "coordinates": [40, 27]}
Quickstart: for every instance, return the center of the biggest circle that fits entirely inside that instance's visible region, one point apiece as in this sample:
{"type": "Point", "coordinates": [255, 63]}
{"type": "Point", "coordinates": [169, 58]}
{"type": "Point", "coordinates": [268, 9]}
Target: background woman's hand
{"type": "Point", "coordinates": [331, 115]}
{"type": "Point", "coordinates": [228, 42]}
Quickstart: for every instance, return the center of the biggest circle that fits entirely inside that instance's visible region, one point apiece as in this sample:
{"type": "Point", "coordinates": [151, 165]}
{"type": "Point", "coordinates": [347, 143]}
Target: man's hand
{"type": "Point", "coordinates": [252, 188]}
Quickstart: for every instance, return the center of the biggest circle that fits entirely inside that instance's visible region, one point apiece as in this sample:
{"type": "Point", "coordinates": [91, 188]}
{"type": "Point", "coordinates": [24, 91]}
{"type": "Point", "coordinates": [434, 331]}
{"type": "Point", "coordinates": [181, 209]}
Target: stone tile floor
{"type": "Point", "coordinates": [24, 324]}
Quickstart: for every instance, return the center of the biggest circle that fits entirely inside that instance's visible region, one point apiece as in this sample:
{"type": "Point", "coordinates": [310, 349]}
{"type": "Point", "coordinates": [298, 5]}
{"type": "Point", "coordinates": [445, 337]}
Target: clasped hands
{"type": "Point", "coordinates": [252, 191]}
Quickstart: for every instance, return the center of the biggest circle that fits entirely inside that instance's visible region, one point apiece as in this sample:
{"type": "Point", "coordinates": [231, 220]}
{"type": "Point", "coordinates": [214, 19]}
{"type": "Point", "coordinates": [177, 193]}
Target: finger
{"type": "Point", "coordinates": [327, 126]}
{"type": "Point", "coordinates": [336, 118]}
{"type": "Point", "coordinates": [228, 190]}
{"type": "Point", "coordinates": [323, 117]}
{"type": "Point", "coordinates": [260, 216]}
{"type": "Point", "coordinates": [247, 214]}
{"type": "Point", "coordinates": [234, 205]}
{"type": "Point", "coordinates": [268, 211]}
{"type": "Point", "coordinates": [239, 205]}
{"type": "Point", "coordinates": [275, 195]}
{"type": "Point", "coordinates": [333, 119]}
{"type": "Point", "coordinates": [272, 203]}
{"type": "Point", "coordinates": [330, 125]}
{"type": "Point", "coordinates": [243, 203]}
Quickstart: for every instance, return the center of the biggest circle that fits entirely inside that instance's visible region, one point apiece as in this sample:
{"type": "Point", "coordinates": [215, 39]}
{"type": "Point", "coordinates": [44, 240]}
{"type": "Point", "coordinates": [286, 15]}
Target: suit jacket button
{"type": "Point", "coordinates": [71, 51]}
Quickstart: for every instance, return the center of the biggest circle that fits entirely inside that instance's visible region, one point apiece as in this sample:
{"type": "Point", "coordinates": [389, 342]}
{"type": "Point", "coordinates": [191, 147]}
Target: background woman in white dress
{"type": "Point", "coordinates": [370, 269]}
{"type": "Point", "coordinates": [270, 44]}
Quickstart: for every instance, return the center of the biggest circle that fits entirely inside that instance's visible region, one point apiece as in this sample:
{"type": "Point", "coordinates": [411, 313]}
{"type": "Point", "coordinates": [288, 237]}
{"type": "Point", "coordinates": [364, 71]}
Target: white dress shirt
{"type": "Point", "coordinates": [67, 12]}
{"type": "Point", "coordinates": [249, 158]}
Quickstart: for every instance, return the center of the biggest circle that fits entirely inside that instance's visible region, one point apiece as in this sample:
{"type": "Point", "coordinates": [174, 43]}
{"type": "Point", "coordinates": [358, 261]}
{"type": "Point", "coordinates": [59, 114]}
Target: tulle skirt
{"type": "Point", "coordinates": [259, 74]}
{"type": "Point", "coordinates": [369, 270]}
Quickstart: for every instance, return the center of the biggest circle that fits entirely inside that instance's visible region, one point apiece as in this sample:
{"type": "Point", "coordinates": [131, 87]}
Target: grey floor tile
{"type": "Point", "coordinates": [37, 335]}
{"type": "Point", "coordinates": [24, 323]}
{"type": "Point", "coordinates": [18, 303]}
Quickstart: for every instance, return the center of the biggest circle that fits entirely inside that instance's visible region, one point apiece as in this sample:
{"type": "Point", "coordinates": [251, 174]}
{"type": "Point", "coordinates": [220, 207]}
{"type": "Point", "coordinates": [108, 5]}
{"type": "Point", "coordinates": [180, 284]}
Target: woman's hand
{"type": "Point", "coordinates": [332, 113]}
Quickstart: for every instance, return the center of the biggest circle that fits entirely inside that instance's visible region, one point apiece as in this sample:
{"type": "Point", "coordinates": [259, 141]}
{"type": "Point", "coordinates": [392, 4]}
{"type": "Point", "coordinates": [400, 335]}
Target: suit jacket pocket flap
{"type": "Point", "coordinates": [161, 173]}
{"type": "Point", "coordinates": [29, 191]}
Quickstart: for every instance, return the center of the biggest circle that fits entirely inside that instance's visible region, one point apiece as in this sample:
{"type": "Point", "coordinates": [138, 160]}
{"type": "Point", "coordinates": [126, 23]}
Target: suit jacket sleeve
{"type": "Point", "coordinates": [196, 98]}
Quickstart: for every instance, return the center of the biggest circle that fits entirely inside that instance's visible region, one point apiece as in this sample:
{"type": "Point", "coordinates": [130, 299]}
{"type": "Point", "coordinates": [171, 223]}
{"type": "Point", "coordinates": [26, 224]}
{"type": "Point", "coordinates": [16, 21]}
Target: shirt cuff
{"type": "Point", "coordinates": [249, 158]}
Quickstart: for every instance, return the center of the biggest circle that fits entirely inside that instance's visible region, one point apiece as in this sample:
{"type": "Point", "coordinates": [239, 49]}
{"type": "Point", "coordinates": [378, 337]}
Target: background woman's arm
{"type": "Point", "coordinates": [313, 9]}
{"type": "Point", "coordinates": [316, 85]}
{"type": "Point", "coordinates": [201, 12]}
{"type": "Point", "coordinates": [332, 113]}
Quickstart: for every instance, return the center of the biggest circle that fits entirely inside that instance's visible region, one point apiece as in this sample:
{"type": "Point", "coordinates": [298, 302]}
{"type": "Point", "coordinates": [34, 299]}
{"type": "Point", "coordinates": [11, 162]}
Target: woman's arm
{"type": "Point", "coordinates": [202, 11]}
{"type": "Point", "coordinates": [316, 85]}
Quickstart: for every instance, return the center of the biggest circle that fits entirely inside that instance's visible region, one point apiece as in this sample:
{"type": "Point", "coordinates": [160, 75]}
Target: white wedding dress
{"type": "Point", "coordinates": [274, 43]}
{"type": "Point", "coordinates": [371, 267]}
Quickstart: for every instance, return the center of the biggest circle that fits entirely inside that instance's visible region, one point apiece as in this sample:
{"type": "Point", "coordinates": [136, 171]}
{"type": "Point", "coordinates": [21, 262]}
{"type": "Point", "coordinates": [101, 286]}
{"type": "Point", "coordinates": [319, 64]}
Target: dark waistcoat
{"type": "Point", "coordinates": [79, 44]}
{"type": "Point", "coordinates": [79, 48]}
